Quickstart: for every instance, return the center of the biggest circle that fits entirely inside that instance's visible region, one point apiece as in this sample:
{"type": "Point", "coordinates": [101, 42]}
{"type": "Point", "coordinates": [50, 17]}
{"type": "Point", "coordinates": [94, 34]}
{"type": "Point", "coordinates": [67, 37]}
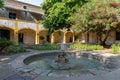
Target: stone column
{"type": "Point", "coordinates": [64, 37]}
{"type": "Point", "coordinates": [73, 37]}
{"type": "Point", "coordinates": [37, 34]}
{"type": "Point", "coordinates": [52, 38]}
{"type": "Point", "coordinates": [16, 32]}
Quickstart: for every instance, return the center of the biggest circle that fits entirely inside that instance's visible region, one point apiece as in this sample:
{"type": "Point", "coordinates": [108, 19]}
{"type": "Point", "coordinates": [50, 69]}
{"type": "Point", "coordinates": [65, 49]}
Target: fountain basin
{"type": "Point", "coordinates": [76, 62]}
{"type": "Point", "coordinates": [24, 62]}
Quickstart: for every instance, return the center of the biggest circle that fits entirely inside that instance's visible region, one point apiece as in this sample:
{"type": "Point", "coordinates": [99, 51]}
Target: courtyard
{"type": "Point", "coordinates": [60, 40]}
{"type": "Point", "coordinates": [9, 70]}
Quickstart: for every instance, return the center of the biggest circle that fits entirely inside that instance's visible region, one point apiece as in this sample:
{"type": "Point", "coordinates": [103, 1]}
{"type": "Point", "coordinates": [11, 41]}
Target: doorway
{"type": "Point", "coordinates": [48, 38]}
{"type": "Point", "coordinates": [21, 38]}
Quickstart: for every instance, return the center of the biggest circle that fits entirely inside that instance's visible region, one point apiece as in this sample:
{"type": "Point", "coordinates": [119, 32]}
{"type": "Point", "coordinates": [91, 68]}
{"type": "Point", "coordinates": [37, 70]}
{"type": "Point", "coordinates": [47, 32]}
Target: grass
{"type": "Point", "coordinates": [80, 46]}
{"type": "Point", "coordinates": [48, 46]}
{"type": "Point", "coordinates": [115, 48]}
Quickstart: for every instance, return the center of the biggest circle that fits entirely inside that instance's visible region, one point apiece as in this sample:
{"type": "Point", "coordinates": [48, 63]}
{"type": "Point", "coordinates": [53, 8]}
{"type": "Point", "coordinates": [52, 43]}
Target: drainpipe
{"type": "Point", "coordinates": [32, 16]}
{"type": "Point", "coordinates": [7, 13]}
{"type": "Point", "coordinates": [26, 15]}
{"type": "Point", "coordinates": [0, 34]}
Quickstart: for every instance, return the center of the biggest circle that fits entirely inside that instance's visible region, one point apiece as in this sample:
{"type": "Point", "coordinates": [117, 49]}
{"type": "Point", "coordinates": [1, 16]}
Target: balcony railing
{"type": "Point", "coordinates": [11, 23]}
{"type": "Point", "coordinates": [7, 22]}
{"type": "Point", "coordinates": [23, 24]}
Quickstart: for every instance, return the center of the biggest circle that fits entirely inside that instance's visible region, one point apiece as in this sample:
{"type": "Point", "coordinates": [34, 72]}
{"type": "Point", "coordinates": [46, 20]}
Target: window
{"type": "Point", "coordinates": [117, 35]}
{"type": "Point", "coordinates": [4, 34]}
{"type": "Point", "coordinates": [25, 7]}
{"type": "Point", "coordinates": [12, 15]}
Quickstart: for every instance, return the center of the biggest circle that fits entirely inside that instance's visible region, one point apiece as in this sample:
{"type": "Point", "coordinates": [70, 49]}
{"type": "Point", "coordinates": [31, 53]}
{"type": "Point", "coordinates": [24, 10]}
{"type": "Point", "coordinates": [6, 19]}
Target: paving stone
{"type": "Point", "coordinates": [18, 77]}
{"type": "Point", "coordinates": [5, 71]}
{"type": "Point", "coordinates": [59, 74]}
{"type": "Point", "coordinates": [24, 69]}
{"type": "Point", "coordinates": [15, 77]}
{"type": "Point", "coordinates": [28, 78]}
{"type": "Point", "coordinates": [45, 72]}
{"type": "Point", "coordinates": [37, 71]}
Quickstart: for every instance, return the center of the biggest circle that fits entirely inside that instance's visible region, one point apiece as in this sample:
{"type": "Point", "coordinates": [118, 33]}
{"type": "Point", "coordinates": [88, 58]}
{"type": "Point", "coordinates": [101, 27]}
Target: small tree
{"type": "Point", "coordinates": [101, 17]}
{"type": "Point", "coordinates": [4, 43]}
{"type": "Point", "coordinates": [1, 3]}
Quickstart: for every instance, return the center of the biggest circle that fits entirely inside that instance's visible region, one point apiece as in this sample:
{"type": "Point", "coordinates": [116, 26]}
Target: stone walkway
{"type": "Point", "coordinates": [8, 73]}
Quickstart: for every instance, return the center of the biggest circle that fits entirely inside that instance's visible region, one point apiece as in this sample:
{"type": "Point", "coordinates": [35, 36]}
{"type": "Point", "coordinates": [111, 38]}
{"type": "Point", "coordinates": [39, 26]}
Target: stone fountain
{"type": "Point", "coordinates": [62, 58]}
{"type": "Point", "coordinates": [62, 62]}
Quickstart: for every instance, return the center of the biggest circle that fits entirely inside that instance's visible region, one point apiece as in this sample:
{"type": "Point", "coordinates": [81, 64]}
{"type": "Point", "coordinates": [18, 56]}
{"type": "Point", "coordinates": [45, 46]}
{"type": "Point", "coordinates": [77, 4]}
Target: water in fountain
{"type": "Point", "coordinates": [62, 62]}
{"type": "Point", "coordinates": [68, 61]}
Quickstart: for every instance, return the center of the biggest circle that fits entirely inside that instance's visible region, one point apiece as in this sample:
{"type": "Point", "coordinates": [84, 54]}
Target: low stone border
{"type": "Point", "coordinates": [19, 65]}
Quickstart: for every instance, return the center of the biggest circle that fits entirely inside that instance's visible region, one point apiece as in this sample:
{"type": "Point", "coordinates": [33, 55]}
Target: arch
{"type": "Point", "coordinates": [43, 30]}
{"type": "Point", "coordinates": [57, 36]}
{"type": "Point", "coordinates": [26, 36]}
{"type": "Point", "coordinates": [7, 32]}
{"type": "Point", "coordinates": [69, 36]}
{"type": "Point", "coordinates": [26, 28]}
{"type": "Point", "coordinates": [7, 27]}
{"type": "Point", "coordinates": [58, 30]}
{"type": "Point", "coordinates": [43, 36]}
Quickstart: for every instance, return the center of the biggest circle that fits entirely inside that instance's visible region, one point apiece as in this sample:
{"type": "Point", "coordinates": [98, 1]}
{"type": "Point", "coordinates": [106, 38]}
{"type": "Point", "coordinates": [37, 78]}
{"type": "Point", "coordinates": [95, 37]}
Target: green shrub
{"type": "Point", "coordinates": [15, 49]}
{"type": "Point", "coordinates": [48, 46]}
{"type": "Point", "coordinates": [115, 48]}
{"type": "Point", "coordinates": [80, 46]}
{"type": "Point", "coordinates": [4, 43]}
{"type": "Point", "coordinates": [41, 37]}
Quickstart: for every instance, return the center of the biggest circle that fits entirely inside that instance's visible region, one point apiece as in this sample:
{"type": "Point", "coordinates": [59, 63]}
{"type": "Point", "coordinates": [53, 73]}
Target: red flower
{"type": "Point", "coordinates": [93, 14]}
{"type": "Point", "coordinates": [113, 4]}
{"type": "Point", "coordinates": [104, 14]}
{"type": "Point", "coordinates": [114, 17]}
{"type": "Point", "coordinates": [116, 23]}
{"type": "Point", "coordinates": [95, 23]}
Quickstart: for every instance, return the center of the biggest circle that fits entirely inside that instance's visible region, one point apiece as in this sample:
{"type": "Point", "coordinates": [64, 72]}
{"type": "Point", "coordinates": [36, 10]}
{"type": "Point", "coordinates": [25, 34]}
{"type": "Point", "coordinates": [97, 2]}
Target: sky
{"type": "Point", "coordinates": [34, 2]}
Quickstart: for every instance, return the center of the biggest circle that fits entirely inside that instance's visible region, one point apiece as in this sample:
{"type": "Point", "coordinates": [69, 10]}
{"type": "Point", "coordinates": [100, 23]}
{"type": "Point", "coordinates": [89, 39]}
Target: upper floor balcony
{"type": "Point", "coordinates": [20, 31]}
{"type": "Point", "coordinates": [15, 24]}
{"type": "Point", "coordinates": [17, 15]}
{"type": "Point", "coordinates": [19, 22]}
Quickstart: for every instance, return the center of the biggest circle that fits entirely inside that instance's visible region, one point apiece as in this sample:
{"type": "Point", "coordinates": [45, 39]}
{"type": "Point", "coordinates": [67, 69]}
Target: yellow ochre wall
{"type": "Point", "coordinates": [69, 37]}
{"type": "Point", "coordinates": [57, 36]}
{"type": "Point", "coordinates": [29, 36]}
{"type": "Point", "coordinates": [93, 38]}
{"type": "Point", "coordinates": [44, 34]}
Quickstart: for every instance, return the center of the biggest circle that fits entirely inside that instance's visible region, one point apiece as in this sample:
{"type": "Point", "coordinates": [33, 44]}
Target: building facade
{"type": "Point", "coordinates": [19, 22]}
{"type": "Point", "coordinates": [92, 37]}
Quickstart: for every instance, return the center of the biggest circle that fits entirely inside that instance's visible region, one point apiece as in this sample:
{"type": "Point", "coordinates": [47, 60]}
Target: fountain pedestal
{"type": "Point", "coordinates": [62, 62]}
{"type": "Point", "coordinates": [61, 58]}
{"type": "Point", "coordinates": [63, 46]}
